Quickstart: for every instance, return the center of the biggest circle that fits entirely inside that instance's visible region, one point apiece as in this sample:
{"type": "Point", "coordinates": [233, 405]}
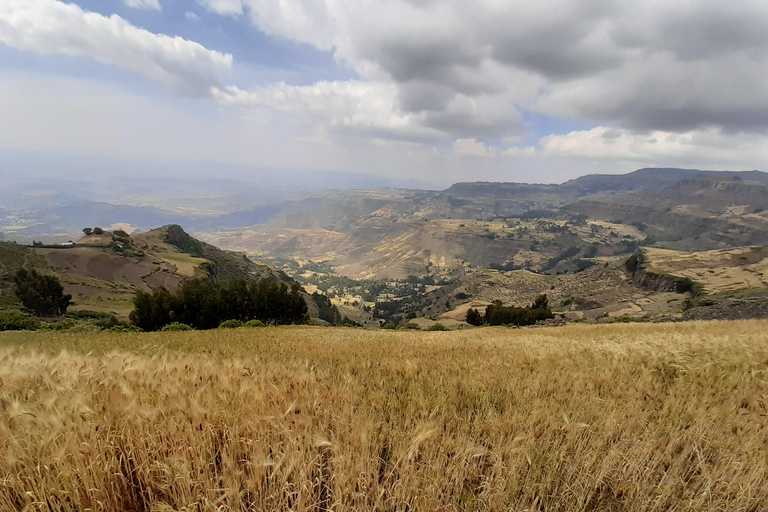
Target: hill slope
{"type": "Point", "coordinates": [393, 233]}
{"type": "Point", "coordinates": [102, 271]}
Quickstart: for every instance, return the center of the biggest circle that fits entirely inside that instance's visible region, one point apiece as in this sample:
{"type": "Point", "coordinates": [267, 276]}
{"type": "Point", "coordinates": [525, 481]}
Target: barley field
{"type": "Point", "coordinates": [631, 417]}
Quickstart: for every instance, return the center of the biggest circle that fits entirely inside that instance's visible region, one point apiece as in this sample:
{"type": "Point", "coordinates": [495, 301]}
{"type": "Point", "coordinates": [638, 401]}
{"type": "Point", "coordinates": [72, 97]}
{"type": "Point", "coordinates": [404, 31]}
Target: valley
{"type": "Point", "coordinates": [425, 257]}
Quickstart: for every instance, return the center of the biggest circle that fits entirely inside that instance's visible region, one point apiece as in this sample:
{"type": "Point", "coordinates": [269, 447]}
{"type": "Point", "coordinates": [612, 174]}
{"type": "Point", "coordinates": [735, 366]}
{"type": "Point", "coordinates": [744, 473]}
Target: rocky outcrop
{"type": "Point", "coordinates": [656, 282]}
{"type": "Point", "coordinates": [637, 265]}
{"type": "Point", "coordinates": [730, 309]}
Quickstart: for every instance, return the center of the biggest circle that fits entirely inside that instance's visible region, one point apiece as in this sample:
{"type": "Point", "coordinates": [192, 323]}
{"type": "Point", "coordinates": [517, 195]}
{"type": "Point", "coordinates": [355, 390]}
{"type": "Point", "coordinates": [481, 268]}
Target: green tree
{"type": "Point", "coordinates": [474, 317]}
{"type": "Point", "coordinates": [40, 293]}
{"type": "Point", "coordinates": [541, 302]}
{"type": "Point", "coordinates": [205, 305]}
{"type": "Point", "coordinates": [497, 314]}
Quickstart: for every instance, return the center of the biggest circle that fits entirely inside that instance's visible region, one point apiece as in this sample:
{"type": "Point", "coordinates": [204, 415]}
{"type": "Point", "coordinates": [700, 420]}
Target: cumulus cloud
{"type": "Point", "coordinates": [657, 65]}
{"type": "Point", "coordinates": [470, 147]}
{"type": "Point", "coordinates": [50, 27]}
{"type": "Point", "coordinates": [375, 107]}
{"type": "Point", "coordinates": [693, 147]}
{"type": "Point", "coordinates": [365, 107]}
{"type": "Point", "coordinates": [661, 80]}
{"type": "Point", "coordinates": [143, 4]}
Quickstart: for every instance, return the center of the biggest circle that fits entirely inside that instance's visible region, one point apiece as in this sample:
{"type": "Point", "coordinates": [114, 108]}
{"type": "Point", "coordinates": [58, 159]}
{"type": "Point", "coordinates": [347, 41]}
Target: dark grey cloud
{"type": "Point", "coordinates": [665, 93]}
{"type": "Point", "coordinates": [651, 65]}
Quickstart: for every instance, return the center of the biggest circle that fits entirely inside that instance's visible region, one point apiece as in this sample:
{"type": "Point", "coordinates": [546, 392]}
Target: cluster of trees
{"type": "Point", "coordinates": [40, 293]}
{"type": "Point", "coordinates": [205, 305]}
{"type": "Point", "coordinates": [326, 310]}
{"type": "Point", "coordinates": [496, 314]}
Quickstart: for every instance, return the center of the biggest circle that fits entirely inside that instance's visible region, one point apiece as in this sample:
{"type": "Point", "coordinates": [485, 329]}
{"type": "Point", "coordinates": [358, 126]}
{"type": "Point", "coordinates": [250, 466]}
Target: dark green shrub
{"type": "Point", "coordinates": [410, 326]}
{"type": "Point", "coordinates": [389, 326]}
{"type": "Point", "coordinates": [64, 324]}
{"type": "Point", "coordinates": [437, 327]}
{"type": "Point", "coordinates": [541, 302]}
{"type": "Point", "coordinates": [348, 322]}
{"type": "Point", "coordinates": [686, 284]}
{"type": "Point", "coordinates": [40, 293]}
{"type": "Point", "coordinates": [176, 326]}
{"type": "Point", "coordinates": [15, 320]}
{"type": "Point", "coordinates": [590, 251]}
{"type": "Point", "coordinates": [125, 328]}
{"type": "Point", "coordinates": [230, 324]}
{"type": "Point", "coordinates": [84, 314]}
{"type": "Point", "coordinates": [254, 323]}
{"type": "Point", "coordinates": [474, 317]}
{"type": "Point", "coordinates": [99, 318]}
{"type": "Point", "coordinates": [496, 314]}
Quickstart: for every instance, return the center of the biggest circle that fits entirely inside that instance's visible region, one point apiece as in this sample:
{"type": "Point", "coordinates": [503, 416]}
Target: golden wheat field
{"type": "Point", "coordinates": [632, 417]}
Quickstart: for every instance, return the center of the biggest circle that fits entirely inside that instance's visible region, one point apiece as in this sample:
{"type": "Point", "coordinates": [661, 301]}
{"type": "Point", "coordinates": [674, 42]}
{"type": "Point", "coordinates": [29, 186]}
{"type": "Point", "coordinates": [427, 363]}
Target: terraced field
{"type": "Point", "coordinates": [721, 271]}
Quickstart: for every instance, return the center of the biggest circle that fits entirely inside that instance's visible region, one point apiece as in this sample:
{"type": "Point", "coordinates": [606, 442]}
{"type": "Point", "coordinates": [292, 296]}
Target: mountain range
{"type": "Point", "coordinates": [395, 254]}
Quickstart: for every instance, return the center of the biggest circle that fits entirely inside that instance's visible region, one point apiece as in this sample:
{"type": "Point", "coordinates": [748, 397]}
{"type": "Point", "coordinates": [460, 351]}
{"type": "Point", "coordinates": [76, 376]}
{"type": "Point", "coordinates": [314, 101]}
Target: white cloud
{"type": "Point", "coordinates": [374, 108]}
{"type": "Point", "coordinates": [50, 27]}
{"type": "Point", "coordinates": [470, 147]}
{"type": "Point", "coordinates": [679, 83]}
{"type": "Point", "coordinates": [367, 107]}
{"type": "Point", "coordinates": [704, 147]}
{"type": "Point", "coordinates": [223, 7]}
{"type": "Point", "coordinates": [144, 4]}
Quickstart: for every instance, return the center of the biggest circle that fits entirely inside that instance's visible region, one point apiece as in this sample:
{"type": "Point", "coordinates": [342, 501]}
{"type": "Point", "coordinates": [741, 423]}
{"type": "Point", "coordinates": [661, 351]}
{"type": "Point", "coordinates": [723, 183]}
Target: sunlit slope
{"type": "Point", "coordinates": [727, 270]}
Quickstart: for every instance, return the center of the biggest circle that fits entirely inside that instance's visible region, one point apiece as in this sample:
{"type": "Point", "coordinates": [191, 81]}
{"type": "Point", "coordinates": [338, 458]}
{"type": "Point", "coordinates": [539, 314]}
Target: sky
{"type": "Point", "coordinates": [432, 90]}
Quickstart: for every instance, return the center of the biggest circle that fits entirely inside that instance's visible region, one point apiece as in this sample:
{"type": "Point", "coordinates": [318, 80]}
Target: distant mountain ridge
{"type": "Point", "coordinates": [465, 199]}
{"type": "Point", "coordinates": [650, 178]}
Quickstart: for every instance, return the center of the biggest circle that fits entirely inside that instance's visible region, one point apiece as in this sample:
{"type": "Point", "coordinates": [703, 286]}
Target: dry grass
{"type": "Point", "coordinates": [722, 270]}
{"type": "Point", "coordinates": [613, 417]}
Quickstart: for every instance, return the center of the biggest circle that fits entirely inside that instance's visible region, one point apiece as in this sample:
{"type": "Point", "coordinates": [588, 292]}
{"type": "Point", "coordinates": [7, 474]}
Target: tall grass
{"type": "Point", "coordinates": [612, 417]}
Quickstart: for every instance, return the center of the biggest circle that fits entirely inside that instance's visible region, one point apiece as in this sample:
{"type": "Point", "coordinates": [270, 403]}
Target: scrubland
{"type": "Point", "coordinates": [613, 417]}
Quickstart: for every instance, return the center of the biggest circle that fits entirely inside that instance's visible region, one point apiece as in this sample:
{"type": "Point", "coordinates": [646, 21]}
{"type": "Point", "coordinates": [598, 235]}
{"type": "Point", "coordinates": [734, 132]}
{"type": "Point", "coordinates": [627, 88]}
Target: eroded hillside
{"type": "Point", "coordinates": [390, 234]}
{"type": "Point", "coordinates": [103, 270]}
